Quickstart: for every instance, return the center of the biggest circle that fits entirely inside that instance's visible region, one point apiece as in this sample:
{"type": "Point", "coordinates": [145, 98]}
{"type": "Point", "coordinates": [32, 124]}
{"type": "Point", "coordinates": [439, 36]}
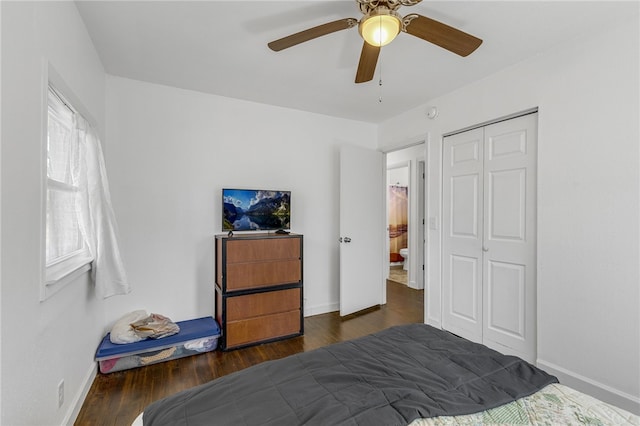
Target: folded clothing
{"type": "Point", "coordinates": [138, 325]}
{"type": "Point", "coordinates": [155, 326]}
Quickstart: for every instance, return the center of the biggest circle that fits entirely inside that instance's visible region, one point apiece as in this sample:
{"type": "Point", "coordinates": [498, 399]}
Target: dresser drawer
{"type": "Point", "coordinates": [240, 251]}
{"type": "Point", "coordinates": [262, 328]}
{"type": "Point", "coordinates": [261, 304]}
{"type": "Point", "coordinates": [242, 276]}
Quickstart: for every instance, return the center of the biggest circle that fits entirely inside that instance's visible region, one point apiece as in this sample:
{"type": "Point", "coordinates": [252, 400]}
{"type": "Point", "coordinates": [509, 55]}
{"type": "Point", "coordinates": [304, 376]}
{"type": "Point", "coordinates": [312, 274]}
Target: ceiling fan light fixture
{"type": "Point", "coordinates": [380, 26]}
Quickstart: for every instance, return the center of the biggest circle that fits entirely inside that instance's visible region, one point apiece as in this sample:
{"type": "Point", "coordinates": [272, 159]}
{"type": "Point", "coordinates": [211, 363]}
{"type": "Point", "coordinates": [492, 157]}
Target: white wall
{"type": "Point", "coordinates": [587, 92]}
{"type": "Point", "coordinates": [42, 342]}
{"type": "Point", "coordinates": [170, 153]}
{"type": "Point", "coordinates": [398, 175]}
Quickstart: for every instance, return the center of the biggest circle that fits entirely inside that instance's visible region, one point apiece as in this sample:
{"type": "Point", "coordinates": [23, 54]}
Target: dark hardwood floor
{"type": "Point", "coordinates": [117, 398]}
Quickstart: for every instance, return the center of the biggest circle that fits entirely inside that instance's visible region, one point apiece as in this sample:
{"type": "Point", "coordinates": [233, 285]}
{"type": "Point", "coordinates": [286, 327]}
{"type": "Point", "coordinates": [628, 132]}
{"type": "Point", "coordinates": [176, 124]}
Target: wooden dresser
{"type": "Point", "coordinates": [258, 288]}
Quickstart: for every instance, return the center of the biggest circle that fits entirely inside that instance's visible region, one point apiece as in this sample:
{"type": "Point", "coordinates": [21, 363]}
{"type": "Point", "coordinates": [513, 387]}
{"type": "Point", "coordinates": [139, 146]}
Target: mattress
{"type": "Point", "coordinates": [196, 336]}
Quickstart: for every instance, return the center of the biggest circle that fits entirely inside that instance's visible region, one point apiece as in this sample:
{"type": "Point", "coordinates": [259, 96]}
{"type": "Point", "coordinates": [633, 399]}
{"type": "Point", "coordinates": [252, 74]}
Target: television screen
{"type": "Point", "coordinates": [255, 210]}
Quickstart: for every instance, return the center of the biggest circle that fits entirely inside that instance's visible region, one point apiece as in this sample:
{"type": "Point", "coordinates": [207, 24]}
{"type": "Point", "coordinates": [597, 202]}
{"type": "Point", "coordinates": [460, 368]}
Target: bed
{"type": "Point", "coordinates": [411, 374]}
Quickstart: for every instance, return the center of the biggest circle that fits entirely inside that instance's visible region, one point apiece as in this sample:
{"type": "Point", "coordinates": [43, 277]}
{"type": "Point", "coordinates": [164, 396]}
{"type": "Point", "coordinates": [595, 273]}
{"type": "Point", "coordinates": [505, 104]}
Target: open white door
{"type": "Point", "coordinates": [361, 229]}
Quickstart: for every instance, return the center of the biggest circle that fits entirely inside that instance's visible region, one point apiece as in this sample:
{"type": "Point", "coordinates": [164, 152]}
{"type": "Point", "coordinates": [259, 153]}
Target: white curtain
{"type": "Point", "coordinates": [98, 219]}
{"type": "Point", "coordinates": [64, 237]}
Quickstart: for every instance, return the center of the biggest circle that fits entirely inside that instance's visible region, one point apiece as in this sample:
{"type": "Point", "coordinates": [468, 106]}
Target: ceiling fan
{"type": "Point", "coordinates": [380, 24]}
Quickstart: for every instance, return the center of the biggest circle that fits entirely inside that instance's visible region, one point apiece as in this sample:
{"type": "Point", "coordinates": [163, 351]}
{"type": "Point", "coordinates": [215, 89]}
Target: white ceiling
{"type": "Point", "coordinates": [220, 47]}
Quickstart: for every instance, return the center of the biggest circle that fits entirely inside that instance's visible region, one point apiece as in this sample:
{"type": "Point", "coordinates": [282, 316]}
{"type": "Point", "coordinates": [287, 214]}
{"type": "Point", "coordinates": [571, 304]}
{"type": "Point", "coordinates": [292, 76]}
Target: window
{"type": "Point", "coordinates": [79, 230]}
{"type": "Point", "coordinates": [65, 247]}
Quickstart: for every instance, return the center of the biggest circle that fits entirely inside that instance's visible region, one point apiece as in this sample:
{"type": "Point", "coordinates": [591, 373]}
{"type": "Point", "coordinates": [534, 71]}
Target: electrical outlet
{"type": "Point", "coordinates": [60, 393]}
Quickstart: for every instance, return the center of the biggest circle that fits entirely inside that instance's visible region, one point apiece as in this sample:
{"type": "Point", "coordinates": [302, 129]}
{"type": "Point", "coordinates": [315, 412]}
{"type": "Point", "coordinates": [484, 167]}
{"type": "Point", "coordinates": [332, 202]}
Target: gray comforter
{"type": "Point", "coordinates": [388, 378]}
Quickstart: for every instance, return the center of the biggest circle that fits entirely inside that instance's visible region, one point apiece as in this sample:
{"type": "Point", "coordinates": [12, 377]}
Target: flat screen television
{"type": "Point", "coordinates": [255, 210]}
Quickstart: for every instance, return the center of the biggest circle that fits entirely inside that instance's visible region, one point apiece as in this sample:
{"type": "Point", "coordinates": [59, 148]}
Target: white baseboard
{"type": "Point", "coordinates": [591, 387]}
{"type": "Point", "coordinates": [81, 395]}
{"type": "Point", "coordinates": [434, 322]}
{"type": "Point", "coordinates": [412, 284]}
{"type": "Point", "coordinates": [310, 311]}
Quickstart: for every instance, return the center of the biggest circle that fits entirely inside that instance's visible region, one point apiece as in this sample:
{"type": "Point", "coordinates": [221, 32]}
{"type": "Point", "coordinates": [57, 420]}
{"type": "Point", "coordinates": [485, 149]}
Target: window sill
{"type": "Point", "coordinates": [63, 273]}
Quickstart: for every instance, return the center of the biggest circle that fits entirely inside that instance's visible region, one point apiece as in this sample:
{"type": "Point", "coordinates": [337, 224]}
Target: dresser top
{"type": "Point", "coordinates": [256, 235]}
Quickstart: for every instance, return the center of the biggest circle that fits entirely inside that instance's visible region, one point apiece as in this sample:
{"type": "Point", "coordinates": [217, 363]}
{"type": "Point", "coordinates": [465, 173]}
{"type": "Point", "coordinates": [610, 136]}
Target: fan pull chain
{"type": "Point", "coordinates": [380, 78]}
{"type": "Point", "coordinates": [380, 67]}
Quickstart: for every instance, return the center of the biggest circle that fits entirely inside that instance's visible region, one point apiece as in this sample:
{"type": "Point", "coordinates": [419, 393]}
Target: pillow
{"type": "Point", "coordinates": [122, 332]}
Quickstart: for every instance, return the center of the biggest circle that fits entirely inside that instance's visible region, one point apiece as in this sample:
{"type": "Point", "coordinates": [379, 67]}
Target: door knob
{"type": "Point", "coordinates": [347, 239]}
{"type": "Point", "coordinates": [484, 249]}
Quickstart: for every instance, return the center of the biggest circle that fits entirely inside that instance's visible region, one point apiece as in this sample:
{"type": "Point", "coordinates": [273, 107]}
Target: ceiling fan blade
{"type": "Point", "coordinates": [443, 35]}
{"type": "Point", "coordinates": [311, 33]}
{"type": "Point", "coordinates": [368, 62]}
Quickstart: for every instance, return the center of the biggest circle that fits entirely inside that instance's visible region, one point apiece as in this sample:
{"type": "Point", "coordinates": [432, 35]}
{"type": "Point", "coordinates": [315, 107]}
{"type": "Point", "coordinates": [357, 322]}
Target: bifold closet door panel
{"type": "Point", "coordinates": [509, 262]}
{"type": "Point", "coordinates": [462, 219]}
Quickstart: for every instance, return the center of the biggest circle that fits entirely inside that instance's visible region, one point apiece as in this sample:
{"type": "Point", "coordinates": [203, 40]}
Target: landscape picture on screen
{"type": "Point", "coordinates": [255, 210]}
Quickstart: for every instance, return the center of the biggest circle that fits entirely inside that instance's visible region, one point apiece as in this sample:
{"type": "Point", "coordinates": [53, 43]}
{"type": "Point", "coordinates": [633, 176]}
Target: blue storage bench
{"type": "Point", "coordinates": [195, 336]}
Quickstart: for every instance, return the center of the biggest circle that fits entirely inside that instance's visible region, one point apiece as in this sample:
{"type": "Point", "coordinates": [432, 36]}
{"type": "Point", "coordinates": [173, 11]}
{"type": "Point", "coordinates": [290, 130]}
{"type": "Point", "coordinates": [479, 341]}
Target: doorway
{"type": "Point", "coordinates": [405, 195]}
{"type": "Point", "coordinates": [398, 222]}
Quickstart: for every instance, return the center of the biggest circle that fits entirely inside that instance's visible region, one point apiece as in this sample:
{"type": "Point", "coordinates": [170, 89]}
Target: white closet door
{"type": "Point", "coordinates": [489, 235]}
{"type": "Point", "coordinates": [462, 219]}
{"type": "Point", "coordinates": [509, 261]}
